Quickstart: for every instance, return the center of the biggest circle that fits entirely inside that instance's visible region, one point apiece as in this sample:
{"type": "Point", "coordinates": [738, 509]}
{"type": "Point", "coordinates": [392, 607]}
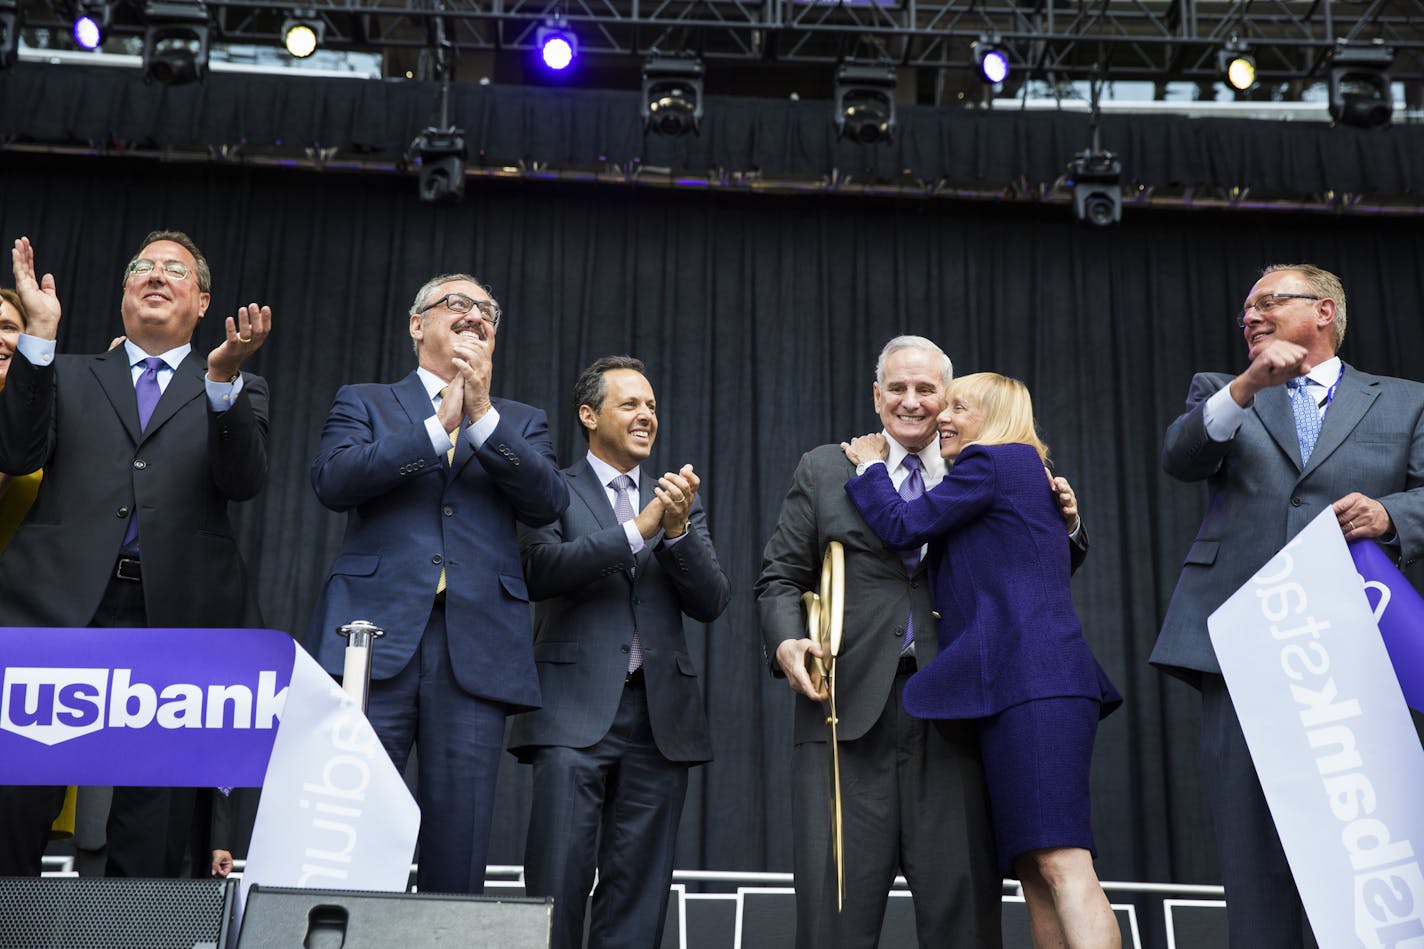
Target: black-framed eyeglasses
{"type": "Point", "coordinates": [142, 267]}
{"type": "Point", "coordinates": [459, 303]}
{"type": "Point", "coordinates": [1267, 302]}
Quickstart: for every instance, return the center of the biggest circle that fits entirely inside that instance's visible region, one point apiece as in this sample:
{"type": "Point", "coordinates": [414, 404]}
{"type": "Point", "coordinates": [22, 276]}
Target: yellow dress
{"type": "Point", "coordinates": [14, 505]}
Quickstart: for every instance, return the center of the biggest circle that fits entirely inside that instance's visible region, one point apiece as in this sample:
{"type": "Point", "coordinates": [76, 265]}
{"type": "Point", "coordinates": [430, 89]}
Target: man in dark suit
{"type": "Point", "coordinates": [1362, 455]}
{"type": "Point", "coordinates": [623, 719]}
{"type": "Point", "coordinates": [143, 448]}
{"type": "Point", "coordinates": [432, 473]}
{"type": "Point", "coordinates": [913, 791]}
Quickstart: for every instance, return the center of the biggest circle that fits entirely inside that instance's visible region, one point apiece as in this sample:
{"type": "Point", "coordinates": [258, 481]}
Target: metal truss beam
{"type": "Point", "coordinates": [1154, 40]}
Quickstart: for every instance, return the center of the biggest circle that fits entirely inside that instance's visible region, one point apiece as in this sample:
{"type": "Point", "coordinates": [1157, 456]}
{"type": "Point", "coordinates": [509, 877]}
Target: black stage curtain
{"type": "Point", "coordinates": [110, 108]}
{"type": "Point", "coordinates": [759, 318]}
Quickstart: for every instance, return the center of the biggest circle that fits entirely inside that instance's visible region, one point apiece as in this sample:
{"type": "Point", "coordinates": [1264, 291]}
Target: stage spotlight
{"type": "Point", "coordinates": [302, 34]}
{"type": "Point", "coordinates": [1359, 86]}
{"type": "Point", "coordinates": [442, 154]}
{"type": "Point", "coordinates": [1236, 65]}
{"type": "Point", "coordinates": [672, 95]}
{"type": "Point", "coordinates": [9, 33]}
{"type": "Point", "coordinates": [91, 23]}
{"type": "Point", "coordinates": [175, 41]}
{"type": "Point", "coordinates": [991, 59]}
{"type": "Point", "coordinates": [865, 103]}
{"type": "Point", "coordinates": [1096, 178]}
{"type": "Point", "coordinates": [557, 45]}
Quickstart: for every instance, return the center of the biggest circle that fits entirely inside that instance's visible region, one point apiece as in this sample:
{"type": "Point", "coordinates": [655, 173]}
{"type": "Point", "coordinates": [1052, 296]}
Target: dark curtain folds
{"type": "Point", "coordinates": [759, 318]}
{"type": "Point", "coordinates": [113, 108]}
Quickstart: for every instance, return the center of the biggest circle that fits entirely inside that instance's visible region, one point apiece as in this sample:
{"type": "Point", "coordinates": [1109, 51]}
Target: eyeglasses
{"type": "Point", "coordinates": [1267, 302]}
{"type": "Point", "coordinates": [459, 303]}
{"type": "Point", "coordinates": [142, 267]}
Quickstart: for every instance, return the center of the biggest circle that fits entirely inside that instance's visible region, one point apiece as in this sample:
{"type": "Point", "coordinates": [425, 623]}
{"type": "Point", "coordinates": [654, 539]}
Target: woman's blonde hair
{"type": "Point", "coordinates": [1007, 408]}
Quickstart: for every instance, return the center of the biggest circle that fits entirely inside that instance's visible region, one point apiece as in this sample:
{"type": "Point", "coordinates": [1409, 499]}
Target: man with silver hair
{"type": "Point", "coordinates": [432, 472]}
{"type": "Point", "coordinates": [913, 791]}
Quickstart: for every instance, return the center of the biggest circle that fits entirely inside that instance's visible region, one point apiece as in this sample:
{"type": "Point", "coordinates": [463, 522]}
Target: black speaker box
{"type": "Point", "coordinates": [96, 913]}
{"type": "Point", "coordinates": [281, 918]}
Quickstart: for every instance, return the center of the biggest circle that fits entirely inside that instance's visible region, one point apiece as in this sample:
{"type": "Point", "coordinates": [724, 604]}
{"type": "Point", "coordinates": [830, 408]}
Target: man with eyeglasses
{"type": "Point", "coordinates": [1296, 432]}
{"type": "Point", "coordinates": [433, 472]}
{"type": "Point", "coordinates": [143, 448]}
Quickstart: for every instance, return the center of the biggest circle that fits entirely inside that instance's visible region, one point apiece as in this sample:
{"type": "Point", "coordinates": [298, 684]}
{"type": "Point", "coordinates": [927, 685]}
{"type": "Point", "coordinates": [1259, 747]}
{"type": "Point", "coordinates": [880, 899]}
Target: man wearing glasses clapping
{"type": "Point", "coordinates": [432, 473]}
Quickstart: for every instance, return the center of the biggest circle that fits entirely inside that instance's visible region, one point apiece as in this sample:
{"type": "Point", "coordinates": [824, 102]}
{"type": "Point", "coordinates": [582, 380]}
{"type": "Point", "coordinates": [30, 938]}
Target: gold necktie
{"type": "Point", "coordinates": [449, 460]}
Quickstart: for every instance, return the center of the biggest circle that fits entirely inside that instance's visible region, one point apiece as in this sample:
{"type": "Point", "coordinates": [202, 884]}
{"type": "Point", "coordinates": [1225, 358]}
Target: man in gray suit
{"type": "Point", "coordinates": [1359, 449]}
{"type": "Point", "coordinates": [623, 719]}
{"type": "Point", "coordinates": [913, 790]}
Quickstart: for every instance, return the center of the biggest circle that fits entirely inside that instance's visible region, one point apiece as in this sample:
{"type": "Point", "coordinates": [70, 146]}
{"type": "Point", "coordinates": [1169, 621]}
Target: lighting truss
{"type": "Point", "coordinates": [1150, 40]}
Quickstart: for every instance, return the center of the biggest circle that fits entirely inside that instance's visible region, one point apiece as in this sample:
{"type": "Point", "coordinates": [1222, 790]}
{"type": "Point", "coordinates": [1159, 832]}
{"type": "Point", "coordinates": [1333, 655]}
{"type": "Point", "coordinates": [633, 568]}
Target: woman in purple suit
{"type": "Point", "coordinates": [1011, 651]}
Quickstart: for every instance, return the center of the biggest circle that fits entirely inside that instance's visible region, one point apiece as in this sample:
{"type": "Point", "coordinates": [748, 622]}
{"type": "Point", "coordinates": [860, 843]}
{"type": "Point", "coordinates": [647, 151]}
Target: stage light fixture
{"type": "Point", "coordinates": [91, 23]}
{"type": "Point", "coordinates": [302, 34]}
{"type": "Point", "coordinates": [442, 155]}
{"type": "Point", "coordinates": [672, 94]}
{"type": "Point", "coordinates": [1096, 178]}
{"type": "Point", "coordinates": [557, 44]}
{"type": "Point", "coordinates": [175, 41]}
{"type": "Point", "coordinates": [991, 59]}
{"type": "Point", "coordinates": [9, 33]}
{"type": "Point", "coordinates": [865, 103]}
{"type": "Point", "coordinates": [1236, 65]}
{"type": "Point", "coordinates": [1359, 86]}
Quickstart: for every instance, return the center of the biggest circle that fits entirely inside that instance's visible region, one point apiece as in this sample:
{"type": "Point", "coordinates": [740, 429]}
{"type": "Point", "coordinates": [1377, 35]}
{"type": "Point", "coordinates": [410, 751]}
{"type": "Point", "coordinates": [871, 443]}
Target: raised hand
{"type": "Point", "coordinates": [38, 296]}
{"type": "Point", "coordinates": [245, 334]}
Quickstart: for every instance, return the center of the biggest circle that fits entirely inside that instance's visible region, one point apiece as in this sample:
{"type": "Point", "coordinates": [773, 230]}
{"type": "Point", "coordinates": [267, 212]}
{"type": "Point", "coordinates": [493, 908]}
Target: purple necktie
{"type": "Point", "coordinates": [911, 488]}
{"type": "Point", "coordinates": [622, 487]}
{"type": "Point", "coordinates": [147, 391]}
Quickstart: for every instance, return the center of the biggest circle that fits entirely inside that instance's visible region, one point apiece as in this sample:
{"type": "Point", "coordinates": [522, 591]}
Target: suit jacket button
{"type": "Point", "coordinates": [140, 463]}
{"type": "Point", "coordinates": [448, 511]}
{"type": "Point", "coordinates": [1296, 502]}
{"type": "Point", "coordinates": [436, 559]}
{"type": "Point", "coordinates": [122, 512]}
{"type": "Point", "coordinates": [624, 647]}
{"type": "Point", "coordinates": [935, 614]}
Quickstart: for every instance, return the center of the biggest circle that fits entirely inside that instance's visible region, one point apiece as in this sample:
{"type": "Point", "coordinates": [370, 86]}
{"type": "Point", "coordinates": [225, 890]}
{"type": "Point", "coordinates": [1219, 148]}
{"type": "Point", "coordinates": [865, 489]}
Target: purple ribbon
{"type": "Point", "coordinates": [1400, 617]}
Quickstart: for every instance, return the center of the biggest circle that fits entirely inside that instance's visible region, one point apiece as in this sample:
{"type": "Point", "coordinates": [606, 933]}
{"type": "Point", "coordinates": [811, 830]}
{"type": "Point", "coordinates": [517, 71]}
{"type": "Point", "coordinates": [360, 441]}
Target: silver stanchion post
{"type": "Point", "coordinates": [356, 673]}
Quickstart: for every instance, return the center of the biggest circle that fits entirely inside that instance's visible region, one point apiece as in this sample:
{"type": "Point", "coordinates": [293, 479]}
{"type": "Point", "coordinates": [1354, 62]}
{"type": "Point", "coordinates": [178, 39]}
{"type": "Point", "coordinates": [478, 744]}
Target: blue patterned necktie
{"type": "Point", "coordinates": [1307, 415]}
{"type": "Point", "coordinates": [911, 488]}
{"type": "Point", "coordinates": [622, 487]}
{"type": "Point", "coordinates": [147, 391]}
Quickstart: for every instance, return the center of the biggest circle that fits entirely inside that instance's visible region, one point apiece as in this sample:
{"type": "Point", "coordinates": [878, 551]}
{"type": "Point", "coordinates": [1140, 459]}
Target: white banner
{"type": "Point", "coordinates": [334, 813]}
{"type": "Point", "coordinates": [1332, 740]}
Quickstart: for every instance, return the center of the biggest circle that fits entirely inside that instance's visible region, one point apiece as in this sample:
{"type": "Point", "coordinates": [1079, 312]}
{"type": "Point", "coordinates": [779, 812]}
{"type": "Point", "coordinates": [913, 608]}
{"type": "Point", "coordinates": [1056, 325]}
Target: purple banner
{"type": "Point", "coordinates": [164, 707]}
{"type": "Point", "coordinates": [1399, 613]}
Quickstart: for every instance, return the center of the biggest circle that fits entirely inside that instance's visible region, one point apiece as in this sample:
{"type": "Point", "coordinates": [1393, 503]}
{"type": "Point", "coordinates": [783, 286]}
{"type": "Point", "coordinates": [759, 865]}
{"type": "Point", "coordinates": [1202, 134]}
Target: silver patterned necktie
{"type": "Point", "coordinates": [623, 486]}
{"type": "Point", "coordinates": [1307, 415]}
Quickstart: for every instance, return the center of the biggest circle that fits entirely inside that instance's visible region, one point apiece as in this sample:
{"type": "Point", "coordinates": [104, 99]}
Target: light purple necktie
{"type": "Point", "coordinates": [147, 391]}
{"type": "Point", "coordinates": [911, 488]}
{"type": "Point", "coordinates": [622, 487]}
{"type": "Point", "coordinates": [1307, 415]}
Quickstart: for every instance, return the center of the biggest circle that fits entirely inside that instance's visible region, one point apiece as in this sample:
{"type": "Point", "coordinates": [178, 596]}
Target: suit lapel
{"type": "Point", "coordinates": [593, 494]}
{"type": "Point", "coordinates": [1272, 407]}
{"type": "Point", "coordinates": [185, 386]}
{"type": "Point", "coordinates": [1353, 398]}
{"type": "Point", "coordinates": [116, 381]}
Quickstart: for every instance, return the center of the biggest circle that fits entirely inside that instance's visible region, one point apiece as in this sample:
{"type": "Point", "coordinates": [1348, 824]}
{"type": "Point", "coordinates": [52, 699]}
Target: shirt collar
{"type": "Point", "coordinates": [606, 472]}
{"type": "Point", "coordinates": [1326, 373]}
{"type": "Point", "coordinates": [433, 383]}
{"type": "Point", "coordinates": [172, 358]}
{"type": "Point", "coordinates": [929, 455]}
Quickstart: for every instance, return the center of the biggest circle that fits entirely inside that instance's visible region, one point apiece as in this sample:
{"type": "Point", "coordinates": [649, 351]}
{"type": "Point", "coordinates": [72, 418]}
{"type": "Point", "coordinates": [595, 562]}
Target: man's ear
{"type": "Point", "coordinates": [588, 418]}
{"type": "Point", "coordinates": [203, 300]}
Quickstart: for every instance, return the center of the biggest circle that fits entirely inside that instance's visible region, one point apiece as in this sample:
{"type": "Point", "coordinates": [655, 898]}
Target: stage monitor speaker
{"type": "Point", "coordinates": [96, 913]}
{"type": "Point", "coordinates": [282, 918]}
